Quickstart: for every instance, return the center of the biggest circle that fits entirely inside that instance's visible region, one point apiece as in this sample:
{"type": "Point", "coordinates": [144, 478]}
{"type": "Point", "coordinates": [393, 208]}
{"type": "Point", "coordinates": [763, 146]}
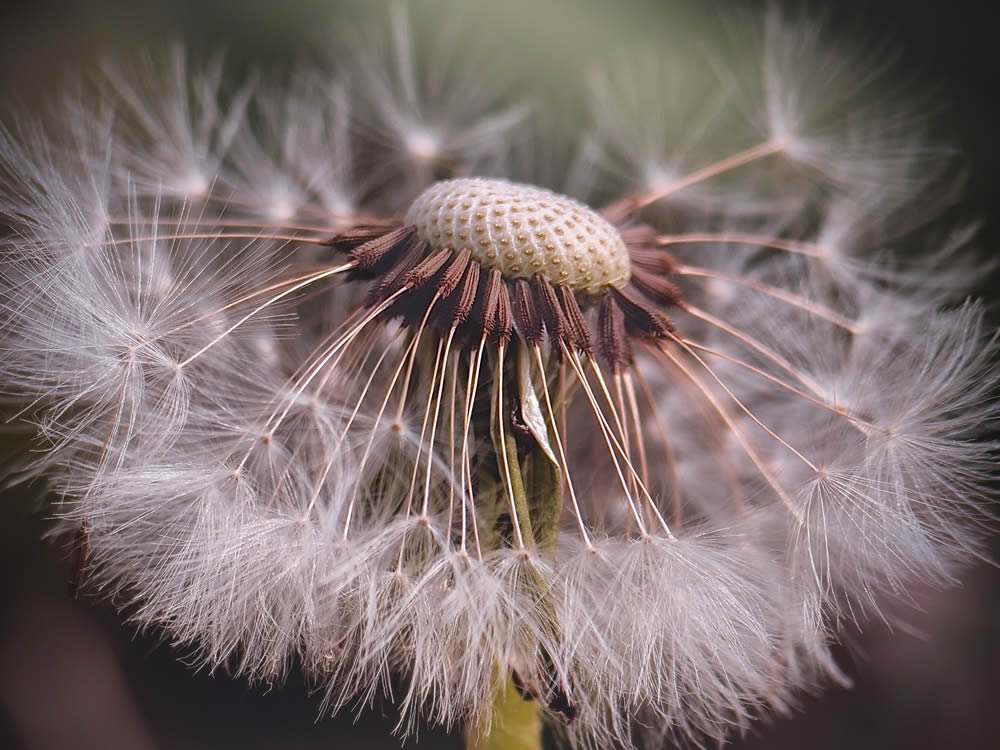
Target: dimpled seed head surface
{"type": "Point", "coordinates": [522, 231]}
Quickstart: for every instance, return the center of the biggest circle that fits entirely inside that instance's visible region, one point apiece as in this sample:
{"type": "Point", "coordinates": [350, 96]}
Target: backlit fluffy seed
{"type": "Point", "coordinates": [523, 231]}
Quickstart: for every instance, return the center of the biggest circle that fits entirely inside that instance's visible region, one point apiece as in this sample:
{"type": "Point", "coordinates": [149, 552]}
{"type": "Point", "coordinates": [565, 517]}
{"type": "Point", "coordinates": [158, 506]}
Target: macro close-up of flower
{"type": "Point", "coordinates": [588, 407]}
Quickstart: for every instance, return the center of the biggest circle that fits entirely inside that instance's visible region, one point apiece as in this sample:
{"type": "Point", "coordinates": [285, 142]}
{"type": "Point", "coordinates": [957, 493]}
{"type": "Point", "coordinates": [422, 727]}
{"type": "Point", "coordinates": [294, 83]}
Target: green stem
{"type": "Point", "coordinates": [515, 725]}
{"type": "Point", "coordinates": [535, 493]}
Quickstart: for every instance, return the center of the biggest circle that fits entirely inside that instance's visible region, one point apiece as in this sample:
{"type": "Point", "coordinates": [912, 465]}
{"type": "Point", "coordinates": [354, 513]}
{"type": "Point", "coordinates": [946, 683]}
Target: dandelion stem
{"type": "Point", "coordinates": [515, 724]}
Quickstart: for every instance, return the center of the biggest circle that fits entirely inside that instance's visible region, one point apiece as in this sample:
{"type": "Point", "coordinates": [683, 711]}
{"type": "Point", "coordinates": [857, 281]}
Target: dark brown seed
{"type": "Point", "coordinates": [547, 303]}
{"type": "Point", "coordinates": [612, 337]}
{"type": "Point", "coordinates": [492, 310]}
{"type": "Point", "coordinates": [640, 318]}
{"type": "Point", "coordinates": [639, 237]}
{"type": "Point", "coordinates": [467, 293]}
{"type": "Point", "coordinates": [426, 269]}
{"type": "Point", "coordinates": [657, 288]}
{"type": "Point", "coordinates": [454, 310]}
{"type": "Point", "coordinates": [659, 262]}
{"type": "Point", "coordinates": [362, 232]}
{"type": "Point", "coordinates": [377, 255]}
{"type": "Point", "coordinates": [526, 315]}
{"type": "Point", "coordinates": [392, 279]}
{"type": "Point", "coordinates": [454, 273]}
{"type": "Point", "coordinates": [420, 298]}
{"type": "Point", "coordinates": [578, 333]}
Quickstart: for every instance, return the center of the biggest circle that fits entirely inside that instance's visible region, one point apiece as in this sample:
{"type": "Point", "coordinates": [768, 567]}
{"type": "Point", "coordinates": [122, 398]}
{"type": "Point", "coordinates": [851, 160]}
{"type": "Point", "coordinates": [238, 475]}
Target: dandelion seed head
{"type": "Point", "coordinates": [522, 231]}
{"type": "Point", "coordinates": [321, 383]}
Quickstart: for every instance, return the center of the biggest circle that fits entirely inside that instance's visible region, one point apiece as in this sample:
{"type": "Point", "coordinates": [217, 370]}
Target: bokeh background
{"type": "Point", "coordinates": [73, 676]}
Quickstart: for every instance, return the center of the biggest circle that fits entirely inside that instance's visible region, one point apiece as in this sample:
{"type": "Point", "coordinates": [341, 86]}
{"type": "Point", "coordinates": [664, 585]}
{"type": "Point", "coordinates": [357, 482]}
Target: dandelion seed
{"type": "Point", "coordinates": [456, 435]}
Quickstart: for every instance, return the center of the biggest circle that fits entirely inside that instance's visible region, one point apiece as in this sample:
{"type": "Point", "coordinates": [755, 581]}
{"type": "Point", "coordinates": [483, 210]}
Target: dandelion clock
{"type": "Point", "coordinates": [597, 412]}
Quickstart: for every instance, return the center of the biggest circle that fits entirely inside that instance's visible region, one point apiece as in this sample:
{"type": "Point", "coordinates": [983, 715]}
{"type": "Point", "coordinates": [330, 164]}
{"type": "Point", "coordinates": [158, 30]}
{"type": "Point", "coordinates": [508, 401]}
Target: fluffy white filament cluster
{"type": "Point", "coordinates": [270, 470]}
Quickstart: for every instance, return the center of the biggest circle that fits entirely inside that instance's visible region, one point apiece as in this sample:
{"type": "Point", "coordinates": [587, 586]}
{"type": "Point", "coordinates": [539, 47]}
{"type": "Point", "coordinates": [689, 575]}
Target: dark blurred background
{"type": "Point", "coordinates": [72, 676]}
